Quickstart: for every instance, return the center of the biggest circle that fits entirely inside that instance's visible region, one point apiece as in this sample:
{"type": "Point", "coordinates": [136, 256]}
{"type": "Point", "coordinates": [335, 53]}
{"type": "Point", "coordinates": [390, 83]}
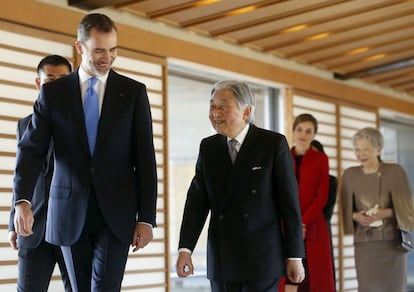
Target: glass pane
{"type": "Point", "coordinates": [398, 140]}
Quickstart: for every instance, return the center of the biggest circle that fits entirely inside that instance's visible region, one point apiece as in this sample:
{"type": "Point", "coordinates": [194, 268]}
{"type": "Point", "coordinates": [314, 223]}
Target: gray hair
{"type": "Point", "coordinates": [244, 96]}
{"type": "Point", "coordinates": [373, 135]}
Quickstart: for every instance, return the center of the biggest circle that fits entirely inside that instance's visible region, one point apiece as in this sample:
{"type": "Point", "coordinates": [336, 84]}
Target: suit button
{"type": "Point", "coordinates": [254, 191]}
{"type": "Point", "coordinates": [86, 190]}
{"type": "Point", "coordinates": [92, 169]}
{"type": "Point", "coordinates": [220, 217]}
{"type": "Point", "coordinates": [245, 215]}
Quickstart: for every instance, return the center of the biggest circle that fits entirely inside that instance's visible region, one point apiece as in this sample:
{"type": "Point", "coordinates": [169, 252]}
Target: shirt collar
{"type": "Point", "coordinates": [242, 135]}
{"type": "Point", "coordinates": [83, 76]}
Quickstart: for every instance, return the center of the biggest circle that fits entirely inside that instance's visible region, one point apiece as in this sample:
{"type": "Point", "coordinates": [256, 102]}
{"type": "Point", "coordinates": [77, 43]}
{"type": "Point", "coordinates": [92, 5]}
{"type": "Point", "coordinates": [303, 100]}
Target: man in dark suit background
{"type": "Point", "coordinates": [37, 258]}
{"type": "Point", "coordinates": [255, 229]}
{"type": "Point", "coordinates": [102, 197]}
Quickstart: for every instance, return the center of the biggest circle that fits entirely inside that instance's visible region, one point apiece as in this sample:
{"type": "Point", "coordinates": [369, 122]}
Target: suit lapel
{"type": "Point", "coordinates": [76, 107]}
{"type": "Point", "coordinates": [240, 167]}
{"type": "Point", "coordinates": [219, 168]}
{"type": "Point", "coordinates": [113, 102]}
{"type": "Point", "coordinates": [245, 153]}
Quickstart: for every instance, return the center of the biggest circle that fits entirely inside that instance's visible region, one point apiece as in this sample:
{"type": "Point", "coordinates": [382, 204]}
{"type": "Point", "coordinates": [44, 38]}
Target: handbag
{"type": "Point", "coordinates": [407, 241]}
{"type": "Point", "coordinates": [406, 238]}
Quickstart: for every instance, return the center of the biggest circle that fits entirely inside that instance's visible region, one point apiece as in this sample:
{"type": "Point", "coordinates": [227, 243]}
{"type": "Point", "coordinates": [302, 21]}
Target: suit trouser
{"type": "Point", "coordinates": [36, 266]}
{"type": "Point", "coordinates": [96, 262]}
{"type": "Point", "coordinates": [257, 286]}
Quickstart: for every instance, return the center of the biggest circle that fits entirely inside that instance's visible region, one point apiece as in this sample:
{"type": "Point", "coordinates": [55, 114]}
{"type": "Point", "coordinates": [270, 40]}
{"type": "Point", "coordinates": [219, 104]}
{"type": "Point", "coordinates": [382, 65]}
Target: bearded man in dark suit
{"type": "Point", "coordinates": [250, 191]}
{"type": "Point", "coordinates": [104, 186]}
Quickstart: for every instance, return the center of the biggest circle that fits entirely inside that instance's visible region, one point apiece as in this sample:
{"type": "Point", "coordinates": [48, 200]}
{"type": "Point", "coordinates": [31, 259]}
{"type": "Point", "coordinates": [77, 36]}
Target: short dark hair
{"type": "Point", "coordinates": [54, 60]}
{"type": "Point", "coordinates": [98, 21]}
{"type": "Point", "coordinates": [305, 118]}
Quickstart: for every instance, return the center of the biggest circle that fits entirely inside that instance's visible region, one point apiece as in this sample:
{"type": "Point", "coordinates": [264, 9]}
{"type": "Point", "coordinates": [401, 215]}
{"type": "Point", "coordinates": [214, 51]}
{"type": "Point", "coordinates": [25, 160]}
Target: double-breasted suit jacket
{"type": "Point", "coordinates": [255, 221]}
{"type": "Point", "coordinates": [122, 170]}
{"type": "Point", "coordinates": [40, 196]}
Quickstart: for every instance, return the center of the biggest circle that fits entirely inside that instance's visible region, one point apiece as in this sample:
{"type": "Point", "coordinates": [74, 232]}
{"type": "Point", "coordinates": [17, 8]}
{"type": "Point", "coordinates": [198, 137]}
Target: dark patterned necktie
{"type": "Point", "coordinates": [232, 150]}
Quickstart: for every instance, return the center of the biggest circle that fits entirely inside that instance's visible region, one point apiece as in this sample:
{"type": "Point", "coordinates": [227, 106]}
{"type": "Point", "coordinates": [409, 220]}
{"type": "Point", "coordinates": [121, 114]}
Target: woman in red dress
{"type": "Point", "coordinates": [312, 173]}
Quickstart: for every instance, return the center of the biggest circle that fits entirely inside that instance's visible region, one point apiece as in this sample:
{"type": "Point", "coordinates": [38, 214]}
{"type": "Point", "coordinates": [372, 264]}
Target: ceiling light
{"type": "Point", "coordinates": [318, 36]}
{"type": "Point", "coordinates": [242, 10]}
{"type": "Point", "coordinates": [295, 28]}
{"type": "Point", "coordinates": [374, 57]}
{"type": "Point", "coordinates": [205, 2]}
{"type": "Point", "coordinates": [358, 51]}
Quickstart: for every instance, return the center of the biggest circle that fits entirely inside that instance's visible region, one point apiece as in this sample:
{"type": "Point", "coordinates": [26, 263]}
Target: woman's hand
{"type": "Point", "coordinates": [383, 214]}
{"type": "Point", "coordinates": [362, 218]}
{"type": "Point", "coordinates": [366, 218]}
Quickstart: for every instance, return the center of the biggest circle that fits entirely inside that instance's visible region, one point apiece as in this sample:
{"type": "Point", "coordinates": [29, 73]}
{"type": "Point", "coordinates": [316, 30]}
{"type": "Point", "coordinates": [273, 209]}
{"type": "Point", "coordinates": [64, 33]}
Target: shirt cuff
{"type": "Point", "coordinates": [145, 223]}
{"type": "Point", "coordinates": [295, 259]}
{"type": "Point", "coordinates": [183, 249]}
{"type": "Point", "coordinates": [21, 201]}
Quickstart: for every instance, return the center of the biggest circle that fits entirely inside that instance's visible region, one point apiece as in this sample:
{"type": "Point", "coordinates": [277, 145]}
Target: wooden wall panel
{"type": "Point", "coordinates": [65, 20]}
{"type": "Point", "coordinates": [20, 52]}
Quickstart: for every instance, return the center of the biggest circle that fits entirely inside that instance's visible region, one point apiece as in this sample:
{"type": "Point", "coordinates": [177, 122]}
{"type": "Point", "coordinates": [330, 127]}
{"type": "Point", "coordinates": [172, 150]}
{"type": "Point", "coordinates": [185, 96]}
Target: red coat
{"type": "Point", "coordinates": [313, 195]}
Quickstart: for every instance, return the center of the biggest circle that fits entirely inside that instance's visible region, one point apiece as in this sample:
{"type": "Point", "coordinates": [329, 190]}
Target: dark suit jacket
{"type": "Point", "coordinates": [332, 194]}
{"type": "Point", "coordinates": [40, 196]}
{"type": "Point", "coordinates": [122, 170]}
{"type": "Point", "coordinates": [255, 221]}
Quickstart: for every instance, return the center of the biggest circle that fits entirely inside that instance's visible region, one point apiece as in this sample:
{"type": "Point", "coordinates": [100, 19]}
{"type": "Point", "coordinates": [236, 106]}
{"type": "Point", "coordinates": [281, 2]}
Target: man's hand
{"type": "Point", "coordinates": [184, 265]}
{"type": "Point", "coordinates": [23, 219]}
{"type": "Point", "coordinates": [295, 271]}
{"type": "Point", "coordinates": [142, 236]}
{"type": "Point", "coordinates": [13, 239]}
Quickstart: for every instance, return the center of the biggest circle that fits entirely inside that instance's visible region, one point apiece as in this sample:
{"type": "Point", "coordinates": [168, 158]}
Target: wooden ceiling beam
{"type": "Point", "coordinates": [382, 77]}
{"type": "Point", "coordinates": [376, 70]}
{"type": "Point", "coordinates": [95, 4]}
